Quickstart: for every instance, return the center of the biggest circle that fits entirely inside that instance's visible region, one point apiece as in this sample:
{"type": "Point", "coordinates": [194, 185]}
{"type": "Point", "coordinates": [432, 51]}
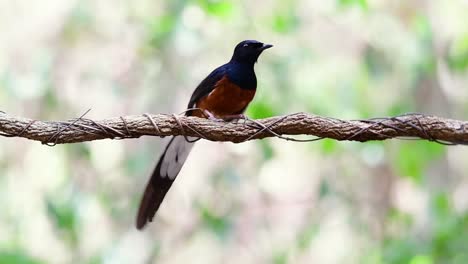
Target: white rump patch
{"type": "Point", "coordinates": [175, 156]}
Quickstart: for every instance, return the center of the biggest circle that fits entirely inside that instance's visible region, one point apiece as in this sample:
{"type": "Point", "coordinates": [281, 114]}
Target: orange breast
{"type": "Point", "coordinates": [225, 99]}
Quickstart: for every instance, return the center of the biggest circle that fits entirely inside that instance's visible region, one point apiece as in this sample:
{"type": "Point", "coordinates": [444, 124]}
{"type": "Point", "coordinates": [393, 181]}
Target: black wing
{"type": "Point", "coordinates": [207, 85]}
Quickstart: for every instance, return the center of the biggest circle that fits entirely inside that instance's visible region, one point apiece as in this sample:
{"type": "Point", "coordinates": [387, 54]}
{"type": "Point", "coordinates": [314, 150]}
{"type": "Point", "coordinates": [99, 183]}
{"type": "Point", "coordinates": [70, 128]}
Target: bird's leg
{"type": "Point", "coordinates": [210, 116]}
{"type": "Point", "coordinates": [236, 117]}
{"type": "Point", "coordinates": [245, 119]}
{"type": "Point", "coordinates": [225, 118]}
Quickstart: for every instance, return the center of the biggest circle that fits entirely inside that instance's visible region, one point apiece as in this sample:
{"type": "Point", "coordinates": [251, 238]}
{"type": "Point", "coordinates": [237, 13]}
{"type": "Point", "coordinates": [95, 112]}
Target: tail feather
{"type": "Point", "coordinates": [169, 165]}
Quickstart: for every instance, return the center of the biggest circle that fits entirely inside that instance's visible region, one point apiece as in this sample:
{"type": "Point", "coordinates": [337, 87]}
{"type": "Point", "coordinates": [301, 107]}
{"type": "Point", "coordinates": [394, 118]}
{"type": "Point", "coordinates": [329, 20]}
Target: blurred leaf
{"type": "Point", "coordinates": [220, 225]}
{"type": "Point", "coordinates": [460, 258]}
{"type": "Point", "coordinates": [445, 240]}
{"type": "Point", "coordinates": [260, 109]}
{"type": "Point", "coordinates": [160, 29]}
{"type": "Point", "coordinates": [307, 236]}
{"type": "Point", "coordinates": [457, 56]}
{"type": "Point", "coordinates": [373, 257]}
{"type": "Point", "coordinates": [79, 151]}
{"type": "Point", "coordinates": [413, 158]}
{"type": "Point", "coordinates": [96, 259]}
{"type": "Point", "coordinates": [399, 108]}
{"type": "Point", "coordinates": [376, 62]}
{"type": "Point", "coordinates": [421, 259]}
{"type": "Point", "coordinates": [6, 83]}
{"type": "Point", "coordinates": [441, 205]}
{"type": "Point", "coordinates": [400, 218]}
{"type": "Point", "coordinates": [50, 99]}
{"type": "Point", "coordinates": [324, 188]}
{"type": "Point", "coordinates": [445, 223]}
{"type": "Point", "coordinates": [64, 215]}
{"type": "Point", "coordinates": [267, 150]}
{"type": "Point", "coordinates": [328, 146]}
{"type": "Point", "coordinates": [17, 258]}
{"type": "Point", "coordinates": [136, 163]}
{"type": "Point", "coordinates": [361, 86]}
{"type": "Point", "coordinates": [425, 63]}
{"type": "Point", "coordinates": [285, 22]}
{"type": "Point", "coordinates": [398, 251]}
{"type": "Point", "coordinates": [79, 21]}
{"type": "Point", "coordinates": [226, 178]}
{"type": "Point", "coordinates": [421, 25]}
{"type": "Point", "coordinates": [217, 8]}
{"type": "Point", "coordinates": [280, 257]}
{"type": "Point", "coordinates": [409, 164]}
{"type": "Point", "coordinates": [362, 4]}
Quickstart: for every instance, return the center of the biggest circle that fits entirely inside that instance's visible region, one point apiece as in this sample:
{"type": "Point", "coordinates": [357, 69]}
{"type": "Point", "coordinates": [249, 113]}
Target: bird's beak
{"type": "Point", "coordinates": [265, 46]}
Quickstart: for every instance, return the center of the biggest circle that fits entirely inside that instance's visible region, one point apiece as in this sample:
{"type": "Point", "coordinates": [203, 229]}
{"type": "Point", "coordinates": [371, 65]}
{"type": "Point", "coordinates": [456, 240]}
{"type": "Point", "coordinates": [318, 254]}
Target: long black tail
{"type": "Point", "coordinates": [165, 173]}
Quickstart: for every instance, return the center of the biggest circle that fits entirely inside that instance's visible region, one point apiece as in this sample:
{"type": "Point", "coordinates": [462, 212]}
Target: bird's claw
{"type": "Point", "coordinates": [212, 117]}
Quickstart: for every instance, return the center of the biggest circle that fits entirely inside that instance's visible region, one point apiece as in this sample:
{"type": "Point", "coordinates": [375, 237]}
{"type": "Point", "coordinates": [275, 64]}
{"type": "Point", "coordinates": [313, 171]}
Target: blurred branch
{"type": "Point", "coordinates": [433, 128]}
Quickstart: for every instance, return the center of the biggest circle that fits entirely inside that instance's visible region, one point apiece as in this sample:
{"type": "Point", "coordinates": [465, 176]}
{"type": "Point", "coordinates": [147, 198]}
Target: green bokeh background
{"type": "Point", "coordinates": [268, 201]}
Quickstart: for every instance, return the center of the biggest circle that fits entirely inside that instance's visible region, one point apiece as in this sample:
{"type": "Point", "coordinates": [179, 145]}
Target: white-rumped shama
{"type": "Point", "coordinates": [224, 94]}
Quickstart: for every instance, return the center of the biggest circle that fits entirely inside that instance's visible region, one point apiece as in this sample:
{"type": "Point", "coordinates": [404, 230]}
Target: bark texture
{"type": "Point", "coordinates": [82, 129]}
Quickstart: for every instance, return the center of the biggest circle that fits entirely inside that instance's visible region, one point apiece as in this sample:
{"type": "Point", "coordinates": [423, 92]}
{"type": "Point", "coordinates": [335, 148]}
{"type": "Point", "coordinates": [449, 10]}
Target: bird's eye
{"type": "Point", "coordinates": [245, 45]}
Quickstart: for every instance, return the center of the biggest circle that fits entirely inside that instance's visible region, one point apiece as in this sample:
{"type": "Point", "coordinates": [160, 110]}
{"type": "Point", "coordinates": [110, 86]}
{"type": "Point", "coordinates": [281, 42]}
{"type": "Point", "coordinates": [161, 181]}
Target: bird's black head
{"type": "Point", "coordinates": [248, 51]}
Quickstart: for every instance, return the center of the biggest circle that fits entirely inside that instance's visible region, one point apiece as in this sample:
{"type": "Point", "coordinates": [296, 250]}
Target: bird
{"type": "Point", "coordinates": [223, 95]}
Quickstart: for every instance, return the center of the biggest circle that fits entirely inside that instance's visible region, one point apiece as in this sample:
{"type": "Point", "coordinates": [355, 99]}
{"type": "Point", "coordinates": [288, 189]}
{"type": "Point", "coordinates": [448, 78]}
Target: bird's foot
{"type": "Point", "coordinates": [212, 117]}
{"type": "Point", "coordinates": [236, 118]}
{"type": "Point", "coordinates": [247, 121]}
{"type": "Point", "coordinates": [229, 118]}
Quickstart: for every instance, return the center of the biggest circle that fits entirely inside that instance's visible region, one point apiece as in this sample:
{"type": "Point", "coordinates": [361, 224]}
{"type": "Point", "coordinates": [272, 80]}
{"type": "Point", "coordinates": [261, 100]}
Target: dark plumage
{"type": "Point", "coordinates": [225, 92]}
